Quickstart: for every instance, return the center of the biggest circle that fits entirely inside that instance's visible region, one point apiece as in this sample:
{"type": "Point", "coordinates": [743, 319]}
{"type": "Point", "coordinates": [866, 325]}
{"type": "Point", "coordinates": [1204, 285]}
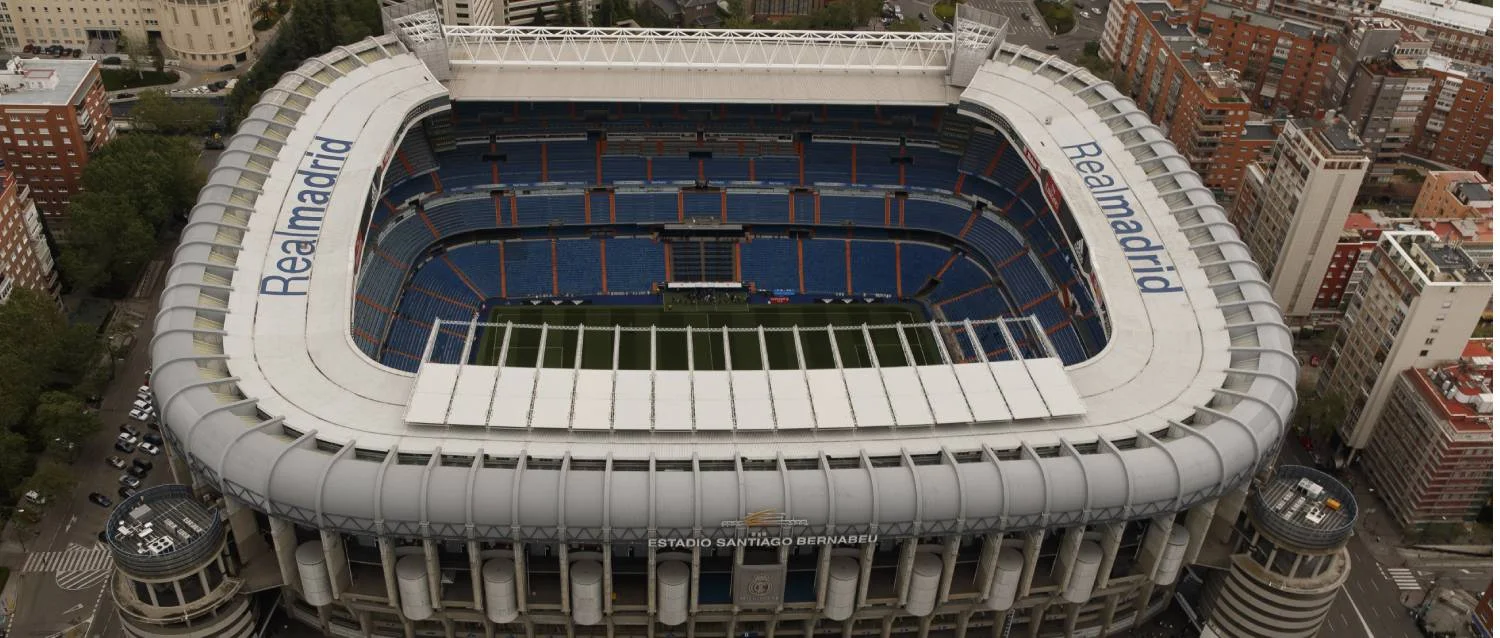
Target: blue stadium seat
{"type": "Point", "coordinates": [769, 262]}
{"type": "Point", "coordinates": [920, 262]}
{"type": "Point", "coordinates": [759, 206]}
{"type": "Point", "coordinates": [873, 267]}
{"type": "Point", "coordinates": [823, 266]}
{"type": "Point", "coordinates": [528, 268]}
{"type": "Point", "coordinates": [634, 264]}
{"type": "Point", "coordinates": [578, 267]}
{"type": "Point", "coordinates": [860, 211]}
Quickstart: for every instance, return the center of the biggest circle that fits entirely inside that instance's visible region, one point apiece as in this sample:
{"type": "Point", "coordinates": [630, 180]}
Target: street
{"type": "Point", "coordinates": [1026, 26]}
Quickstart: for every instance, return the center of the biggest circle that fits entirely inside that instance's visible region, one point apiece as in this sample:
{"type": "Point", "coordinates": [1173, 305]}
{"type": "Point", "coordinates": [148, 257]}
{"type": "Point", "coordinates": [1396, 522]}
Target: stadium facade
{"type": "Point", "coordinates": [1111, 374]}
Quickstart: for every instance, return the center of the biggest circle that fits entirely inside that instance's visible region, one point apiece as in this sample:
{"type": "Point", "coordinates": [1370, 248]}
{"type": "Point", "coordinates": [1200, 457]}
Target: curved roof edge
{"type": "Point", "coordinates": [1211, 438]}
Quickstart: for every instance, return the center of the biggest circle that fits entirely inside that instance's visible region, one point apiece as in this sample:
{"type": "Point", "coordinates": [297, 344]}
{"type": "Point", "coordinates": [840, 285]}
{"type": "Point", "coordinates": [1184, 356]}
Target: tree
{"type": "Point", "coordinates": [158, 59]}
{"type": "Point", "coordinates": [157, 175]}
{"type": "Point", "coordinates": [52, 480]}
{"type": "Point", "coordinates": [539, 19]}
{"type": "Point", "coordinates": [15, 463]}
{"type": "Point", "coordinates": [109, 241]}
{"type": "Point", "coordinates": [30, 344]}
{"type": "Point", "coordinates": [137, 52]}
{"type": "Point", "coordinates": [155, 111]}
{"type": "Point", "coordinates": [63, 422]}
{"type": "Point", "coordinates": [1319, 415]}
{"type": "Point", "coordinates": [264, 11]}
{"type": "Point", "coordinates": [909, 24]}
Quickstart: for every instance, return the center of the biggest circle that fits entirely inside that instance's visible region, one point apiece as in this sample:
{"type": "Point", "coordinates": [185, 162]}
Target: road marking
{"type": "Point", "coordinates": [77, 581]}
{"type": "Point", "coordinates": [1405, 579]}
{"type": "Point", "coordinates": [1358, 615]}
{"type": "Point", "coordinates": [76, 560]}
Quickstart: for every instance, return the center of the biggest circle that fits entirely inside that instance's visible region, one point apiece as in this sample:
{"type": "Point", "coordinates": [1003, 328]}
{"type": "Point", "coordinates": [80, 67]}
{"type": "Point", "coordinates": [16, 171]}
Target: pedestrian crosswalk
{"type": "Point", "coordinates": [72, 560]}
{"type": "Point", "coordinates": [1404, 578]}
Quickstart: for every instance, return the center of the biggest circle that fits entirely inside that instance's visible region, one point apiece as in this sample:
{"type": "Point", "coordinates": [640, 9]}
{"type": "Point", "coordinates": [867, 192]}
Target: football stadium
{"type": "Point", "coordinates": [514, 331]}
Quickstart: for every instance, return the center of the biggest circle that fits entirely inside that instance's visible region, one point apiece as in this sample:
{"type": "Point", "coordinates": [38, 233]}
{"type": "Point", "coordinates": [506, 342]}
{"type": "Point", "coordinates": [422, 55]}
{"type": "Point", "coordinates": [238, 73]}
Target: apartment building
{"type": "Point", "coordinates": [1330, 14]}
{"type": "Point", "coordinates": [25, 258]}
{"type": "Point", "coordinates": [1454, 126]}
{"type": "Point", "coordinates": [1454, 195]}
{"type": "Point", "coordinates": [1178, 82]}
{"type": "Point", "coordinates": [1361, 39]}
{"type": "Point", "coordinates": [1475, 235]}
{"type": "Point", "coordinates": [1430, 457]}
{"type": "Point", "coordinates": [1291, 209]}
{"type": "Point", "coordinates": [1417, 305]}
{"type": "Point", "coordinates": [53, 116]}
{"type": "Point", "coordinates": [1385, 98]}
{"type": "Point", "coordinates": [477, 12]}
{"type": "Point", "coordinates": [523, 12]}
{"type": "Point", "coordinates": [1283, 64]}
{"type": "Point", "coordinates": [1346, 266]}
{"type": "Point", "coordinates": [201, 34]}
{"type": "Point", "coordinates": [1459, 30]}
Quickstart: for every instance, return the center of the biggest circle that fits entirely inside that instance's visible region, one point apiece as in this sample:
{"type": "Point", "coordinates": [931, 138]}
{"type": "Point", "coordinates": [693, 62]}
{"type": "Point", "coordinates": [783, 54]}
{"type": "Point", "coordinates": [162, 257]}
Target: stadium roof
{"type": "Point", "coordinates": [268, 396]}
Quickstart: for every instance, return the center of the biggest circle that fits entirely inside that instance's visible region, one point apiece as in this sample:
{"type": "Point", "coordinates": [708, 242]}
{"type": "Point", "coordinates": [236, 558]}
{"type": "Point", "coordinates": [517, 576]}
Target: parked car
{"type": "Point", "coordinates": [141, 404]}
{"type": "Point", "coordinates": [126, 428]}
{"type": "Point", "coordinates": [1052, 47]}
{"type": "Point", "coordinates": [226, 68]}
{"type": "Point", "coordinates": [129, 481]}
{"type": "Point", "coordinates": [140, 415]}
{"type": "Point", "coordinates": [115, 462]}
{"type": "Point", "coordinates": [126, 492]}
{"type": "Point", "coordinates": [142, 463]}
{"type": "Point", "coordinates": [152, 438]}
{"type": "Point", "coordinates": [99, 499]}
{"type": "Point", "coordinates": [150, 449]}
{"type": "Point", "coordinates": [138, 471]}
{"type": "Point", "coordinates": [35, 498]}
{"type": "Point", "coordinates": [125, 446]}
{"type": "Point", "coordinates": [127, 437]}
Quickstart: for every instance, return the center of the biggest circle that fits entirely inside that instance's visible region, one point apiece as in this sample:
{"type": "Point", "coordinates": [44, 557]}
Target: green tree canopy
{"type": "Point", "coordinates": [63, 422]}
{"type": "Point", "coordinates": [156, 111]}
{"type": "Point", "coordinates": [312, 29]}
{"type": "Point", "coordinates": [52, 480]}
{"type": "Point", "coordinates": [108, 241]}
{"type": "Point", "coordinates": [33, 335]}
{"type": "Point", "coordinates": [15, 462]}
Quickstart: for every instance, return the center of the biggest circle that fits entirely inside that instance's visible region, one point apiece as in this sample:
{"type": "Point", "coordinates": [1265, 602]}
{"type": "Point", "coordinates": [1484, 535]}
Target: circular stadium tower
{"type": "Point", "coordinates": [174, 575]}
{"type": "Point", "coordinates": [1290, 559]}
{"type": "Point", "coordinates": [542, 332]}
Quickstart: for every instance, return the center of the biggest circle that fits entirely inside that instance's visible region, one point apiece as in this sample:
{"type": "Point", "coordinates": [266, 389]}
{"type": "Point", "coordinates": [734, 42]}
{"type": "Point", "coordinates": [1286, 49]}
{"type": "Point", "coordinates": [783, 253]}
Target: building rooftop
{"type": "Point", "coordinates": [1474, 193]}
{"type": "Point", "coordinates": [1450, 66]}
{"type": "Point", "coordinates": [1454, 14]}
{"type": "Point", "coordinates": [1336, 136]}
{"type": "Point", "coordinates": [1259, 131]}
{"type": "Point", "coordinates": [1306, 507]}
{"type": "Point", "coordinates": [1473, 230]}
{"type": "Point", "coordinates": [1437, 259]}
{"type": "Point", "coordinates": [36, 82]}
{"type": "Point", "coordinates": [1463, 390]}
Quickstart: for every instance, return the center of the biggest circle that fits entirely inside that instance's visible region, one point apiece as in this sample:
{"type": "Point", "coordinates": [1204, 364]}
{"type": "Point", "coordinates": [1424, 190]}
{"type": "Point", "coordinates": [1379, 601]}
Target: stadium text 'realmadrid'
{"type": "Point", "coordinates": [298, 234]}
{"type": "Point", "coordinates": [1145, 255]}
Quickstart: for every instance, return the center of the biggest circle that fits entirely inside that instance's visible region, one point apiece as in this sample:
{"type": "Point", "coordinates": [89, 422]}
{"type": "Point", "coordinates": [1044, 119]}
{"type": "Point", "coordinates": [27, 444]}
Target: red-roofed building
{"type": "Point", "coordinates": [1430, 455]}
{"type": "Point", "coordinates": [1360, 234]}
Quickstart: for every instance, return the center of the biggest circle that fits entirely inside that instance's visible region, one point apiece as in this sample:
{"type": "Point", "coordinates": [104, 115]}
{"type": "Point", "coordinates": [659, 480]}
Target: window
{"type": "Point", "coordinates": [1422, 353]}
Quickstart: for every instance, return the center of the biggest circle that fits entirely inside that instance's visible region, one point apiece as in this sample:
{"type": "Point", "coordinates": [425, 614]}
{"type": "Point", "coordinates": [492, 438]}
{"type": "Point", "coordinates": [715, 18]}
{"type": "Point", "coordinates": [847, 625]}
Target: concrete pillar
{"type": "Point", "coordinates": [1226, 513]}
{"type": "Point", "coordinates": [866, 561]}
{"type": "Point", "coordinates": [988, 555]}
{"type": "Point", "coordinates": [565, 583]}
{"type": "Point", "coordinates": [388, 567]}
{"type": "Point", "coordinates": [284, 540]}
{"type": "Point", "coordinates": [1032, 551]}
{"type": "Point", "coordinates": [1071, 622]}
{"type": "Point", "coordinates": [961, 629]}
{"type": "Point", "coordinates": [950, 558]}
{"type": "Point", "coordinates": [651, 586]}
{"type": "Point", "coordinates": [242, 525]}
{"type": "Point", "coordinates": [476, 583]}
{"type": "Point", "coordinates": [693, 586]}
{"type": "Point", "coordinates": [523, 591]}
{"type": "Point", "coordinates": [434, 573]}
{"type": "Point", "coordinates": [885, 625]}
{"type": "Point", "coordinates": [337, 561]}
{"type": "Point", "coordinates": [1035, 624]}
{"type": "Point", "coordinates": [1113, 534]}
{"type": "Point", "coordinates": [365, 626]}
{"type": "Point", "coordinates": [609, 585]}
{"type": "Point", "coordinates": [1067, 555]}
{"type": "Point", "coordinates": [1199, 519]}
{"type": "Point", "coordinates": [924, 626]}
{"type": "Point", "coordinates": [825, 556]}
{"type": "Point", "coordinates": [739, 560]}
{"type": "Point", "coordinates": [903, 569]}
{"type": "Point", "coordinates": [1107, 614]}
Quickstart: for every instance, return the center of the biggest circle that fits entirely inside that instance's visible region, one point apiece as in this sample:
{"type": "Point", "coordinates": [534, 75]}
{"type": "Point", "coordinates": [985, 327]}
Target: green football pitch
{"type": "Point", "coordinates": [710, 349]}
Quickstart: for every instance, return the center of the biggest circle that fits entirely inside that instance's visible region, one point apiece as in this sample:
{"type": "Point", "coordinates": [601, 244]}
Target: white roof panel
{"type": "Point", "coordinates": [984, 396]}
{"type": "Point", "coordinates": [789, 396]}
{"type": "Point", "coordinates": [553, 405]}
{"type": "Point", "coordinates": [632, 401]}
{"type": "Point", "coordinates": [1052, 382]}
{"type": "Point", "coordinates": [1020, 391]}
{"type": "Point", "coordinates": [593, 399]}
{"type": "Point", "coordinates": [944, 395]}
{"type": "Point", "coordinates": [909, 398]}
{"type": "Point", "coordinates": [752, 400]}
{"type": "Point", "coordinates": [830, 399]}
{"type": "Point", "coordinates": [674, 400]}
{"type": "Point", "coordinates": [513, 392]}
{"type": "Point", "coordinates": [711, 407]}
{"type": "Point", "coordinates": [431, 394]}
{"type": "Point", "coordinates": [867, 396]}
{"type": "Point", "coordinates": [471, 398]}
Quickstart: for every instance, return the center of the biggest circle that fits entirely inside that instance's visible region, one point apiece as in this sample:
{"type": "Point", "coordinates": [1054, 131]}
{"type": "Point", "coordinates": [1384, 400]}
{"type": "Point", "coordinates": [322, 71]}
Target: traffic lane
{"type": "Point", "coordinates": [43, 608]}
{"type": "Point", "coordinates": [1376, 597]}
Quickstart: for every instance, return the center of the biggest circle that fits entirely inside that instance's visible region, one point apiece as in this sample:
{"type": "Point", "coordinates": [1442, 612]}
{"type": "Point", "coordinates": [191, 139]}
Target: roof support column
{"type": "Point", "coordinates": [337, 561]}
{"type": "Point", "coordinates": [1067, 556]}
{"type": "Point", "coordinates": [989, 558]}
{"type": "Point", "coordinates": [950, 558]}
{"type": "Point", "coordinates": [1031, 553]}
{"type": "Point", "coordinates": [388, 566]}
{"type": "Point", "coordinates": [284, 542]}
{"type": "Point", "coordinates": [1114, 533]}
{"type": "Point", "coordinates": [434, 574]}
{"type": "Point", "coordinates": [476, 575]}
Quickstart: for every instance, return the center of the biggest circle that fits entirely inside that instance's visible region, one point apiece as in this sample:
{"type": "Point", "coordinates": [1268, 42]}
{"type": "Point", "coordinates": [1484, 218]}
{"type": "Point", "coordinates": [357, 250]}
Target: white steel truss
{"type": "Point", "coordinates": [891, 52]}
